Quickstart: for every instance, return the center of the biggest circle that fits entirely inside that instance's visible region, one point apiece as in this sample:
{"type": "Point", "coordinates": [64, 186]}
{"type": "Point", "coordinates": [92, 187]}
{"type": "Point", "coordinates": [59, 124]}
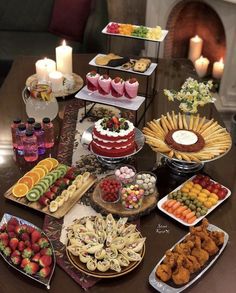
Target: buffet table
{"type": "Point", "coordinates": [161, 232]}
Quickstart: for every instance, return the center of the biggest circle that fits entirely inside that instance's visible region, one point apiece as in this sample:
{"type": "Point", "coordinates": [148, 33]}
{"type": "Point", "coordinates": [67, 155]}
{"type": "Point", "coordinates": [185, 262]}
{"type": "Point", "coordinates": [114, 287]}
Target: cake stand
{"type": "Point", "coordinates": [112, 162]}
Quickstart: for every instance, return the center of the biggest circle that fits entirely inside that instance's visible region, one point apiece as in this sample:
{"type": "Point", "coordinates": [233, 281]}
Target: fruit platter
{"type": "Point", "coordinates": [51, 188]}
{"type": "Point", "coordinates": [155, 34]}
{"type": "Point", "coordinates": [193, 200]}
{"type": "Point", "coordinates": [104, 247]}
{"type": "Point", "coordinates": [189, 259]}
{"type": "Point", "coordinates": [27, 249]}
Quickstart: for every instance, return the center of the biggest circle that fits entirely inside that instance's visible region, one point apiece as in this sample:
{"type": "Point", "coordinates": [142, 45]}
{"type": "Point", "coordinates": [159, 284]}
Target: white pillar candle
{"type": "Point", "coordinates": [201, 66]}
{"type": "Point", "coordinates": [195, 48]}
{"type": "Point", "coordinates": [218, 68]}
{"type": "Point", "coordinates": [56, 79]}
{"type": "Point", "coordinates": [64, 58]}
{"type": "Point", "coordinates": [43, 68]}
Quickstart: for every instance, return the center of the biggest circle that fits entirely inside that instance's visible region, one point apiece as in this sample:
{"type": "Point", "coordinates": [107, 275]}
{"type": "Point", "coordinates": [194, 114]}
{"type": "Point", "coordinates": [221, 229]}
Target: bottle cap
{"type": "Point", "coordinates": [30, 120]}
{"type": "Point", "coordinates": [22, 127]}
{"type": "Point", "coordinates": [37, 126]}
{"type": "Point", "coordinates": [29, 132]}
{"type": "Point", "coordinates": [46, 120]}
{"type": "Point", "coordinates": [17, 120]}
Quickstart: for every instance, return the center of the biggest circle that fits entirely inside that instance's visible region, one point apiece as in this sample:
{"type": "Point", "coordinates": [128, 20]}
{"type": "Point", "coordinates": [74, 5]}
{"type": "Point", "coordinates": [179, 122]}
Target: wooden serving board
{"type": "Point", "coordinates": [117, 209]}
{"type": "Point", "coordinates": [64, 209]}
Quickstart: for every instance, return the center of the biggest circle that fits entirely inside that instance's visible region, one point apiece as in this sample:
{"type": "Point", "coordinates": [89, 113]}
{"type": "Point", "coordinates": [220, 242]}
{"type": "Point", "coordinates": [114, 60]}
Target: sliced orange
{"type": "Point", "coordinates": [20, 190]}
{"type": "Point", "coordinates": [54, 162]}
{"type": "Point", "coordinates": [47, 163]}
{"type": "Point", "coordinates": [42, 167]}
{"type": "Point", "coordinates": [27, 180]}
{"type": "Point", "coordinates": [35, 176]}
{"type": "Point", "coordinates": [40, 171]}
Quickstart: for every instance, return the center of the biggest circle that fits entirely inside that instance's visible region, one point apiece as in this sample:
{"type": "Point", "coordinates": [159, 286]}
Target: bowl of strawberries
{"type": "Point", "coordinates": [110, 189]}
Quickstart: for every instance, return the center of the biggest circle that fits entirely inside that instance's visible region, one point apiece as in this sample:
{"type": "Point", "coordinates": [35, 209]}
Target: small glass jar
{"type": "Point", "coordinates": [147, 181]}
{"type": "Point", "coordinates": [125, 174]}
{"type": "Point", "coordinates": [110, 189]}
{"type": "Point", "coordinates": [132, 196]}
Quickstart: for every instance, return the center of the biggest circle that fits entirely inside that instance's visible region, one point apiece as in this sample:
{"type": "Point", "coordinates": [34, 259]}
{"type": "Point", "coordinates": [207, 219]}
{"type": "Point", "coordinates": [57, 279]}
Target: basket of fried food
{"type": "Point", "coordinates": [192, 256]}
{"type": "Point", "coordinates": [187, 138]}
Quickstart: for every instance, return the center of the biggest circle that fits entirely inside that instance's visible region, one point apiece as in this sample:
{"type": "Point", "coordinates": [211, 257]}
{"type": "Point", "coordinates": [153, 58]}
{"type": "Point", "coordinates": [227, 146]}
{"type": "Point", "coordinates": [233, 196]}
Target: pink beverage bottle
{"type": "Point", "coordinates": [30, 146]}
{"type": "Point", "coordinates": [20, 134]}
{"type": "Point", "coordinates": [48, 133]}
{"type": "Point", "coordinates": [14, 126]}
{"type": "Point", "coordinates": [30, 123]}
{"type": "Point", "coordinates": [39, 133]}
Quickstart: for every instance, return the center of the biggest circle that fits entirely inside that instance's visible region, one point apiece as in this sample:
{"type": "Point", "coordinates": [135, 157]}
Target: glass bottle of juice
{"type": "Point", "coordinates": [48, 132]}
{"type": "Point", "coordinates": [39, 133]}
{"type": "Point", "coordinates": [20, 134]}
{"type": "Point", "coordinates": [30, 146]}
{"type": "Point", "coordinates": [16, 122]}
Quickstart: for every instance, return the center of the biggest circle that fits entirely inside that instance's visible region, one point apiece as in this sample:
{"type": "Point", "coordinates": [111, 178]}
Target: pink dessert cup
{"type": "Point", "coordinates": [92, 81]}
{"type": "Point", "coordinates": [117, 87]}
{"type": "Point", "coordinates": [131, 88]}
{"type": "Point", "coordinates": [104, 85]}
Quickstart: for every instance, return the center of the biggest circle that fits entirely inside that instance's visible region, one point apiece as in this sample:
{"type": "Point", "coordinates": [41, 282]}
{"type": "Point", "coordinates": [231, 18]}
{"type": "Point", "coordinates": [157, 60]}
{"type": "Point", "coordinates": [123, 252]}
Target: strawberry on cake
{"type": "Point", "coordinates": [113, 137]}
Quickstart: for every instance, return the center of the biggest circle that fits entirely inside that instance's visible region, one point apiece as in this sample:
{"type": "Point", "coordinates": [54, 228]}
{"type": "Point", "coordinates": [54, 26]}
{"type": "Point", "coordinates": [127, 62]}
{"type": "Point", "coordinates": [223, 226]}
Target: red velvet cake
{"type": "Point", "coordinates": [113, 137]}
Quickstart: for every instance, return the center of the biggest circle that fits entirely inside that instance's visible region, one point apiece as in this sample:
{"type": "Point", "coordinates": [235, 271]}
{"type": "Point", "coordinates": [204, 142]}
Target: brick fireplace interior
{"type": "Point", "coordinates": [190, 18]}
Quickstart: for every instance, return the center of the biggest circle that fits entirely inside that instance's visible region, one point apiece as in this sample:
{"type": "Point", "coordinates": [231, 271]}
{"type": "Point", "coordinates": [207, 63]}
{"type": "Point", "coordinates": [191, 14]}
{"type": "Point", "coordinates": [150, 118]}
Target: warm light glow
{"type": "Point", "coordinates": [64, 43]}
{"type": "Point", "coordinates": [196, 38]}
{"type": "Point", "coordinates": [2, 160]}
{"type": "Point", "coordinates": [221, 60]}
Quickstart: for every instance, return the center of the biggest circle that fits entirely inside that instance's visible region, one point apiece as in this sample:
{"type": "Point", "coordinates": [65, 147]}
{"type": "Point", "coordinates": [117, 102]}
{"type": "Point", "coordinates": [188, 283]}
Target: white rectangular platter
{"type": "Point", "coordinates": [165, 288]}
{"type": "Point", "coordinates": [163, 35]}
{"type": "Point", "coordinates": [148, 72]}
{"type": "Point", "coordinates": [160, 203]}
{"type": "Point", "coordinates": [122, 102]}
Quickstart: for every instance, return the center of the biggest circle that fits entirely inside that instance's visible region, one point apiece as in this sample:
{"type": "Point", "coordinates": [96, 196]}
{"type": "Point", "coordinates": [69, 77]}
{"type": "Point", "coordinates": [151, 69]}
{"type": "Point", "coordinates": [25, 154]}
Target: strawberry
{"type": "Point", "coordinates": [12, 234]}
{"type": "Point", "coordinates": [27, 243]}
{"type": "Point", "coordinates": [3, 228]}
{"type": "Point", "coordinates": [16, 260]}
{"type": "Point", "coordinates": [50, 195]}
{"type": "Point", "coordinates": [13, 221]}
{"type": "Point", "coordinates": [36, 257]}
{"type": "Point", "coordinates": [44, 201]}
{"type": "Point", "coordinates": [7, 251]}
{"type": "Point", "coordinates": [16, 253]}
{"type": "Point", "coordinates": [45, 260]}
{"type": "Point", "coordinates": [132, 80]}
{"type": "Point", "coordinates": [3, 244]}
{"type": "Point", "coordinates": [4, 236]}
{"type": "Point", "coordinates": [30, 229]}
{"type": "Point", "coordinates": [21, 245]}
{"type": "Point", "coordinates": [25, 236]}
{"type": "Point", "coordinates": [44, 272]}
{"type": "Point", "coordinates": [18, 229]}
{"type": "Point", "coordinates": [24, 262]}
{"type": "Point", "coordinates": [115, 120]}
{"type": "Point", "coordinates": [35, 247]}
{"type": "Point", "coordinates": [46, 251]}
{"type": "Point", "coordinates": [66, 181]}
{"type": "Point", "coordinates": [13, 243]}
{"type": "Point", "coordinates": [60, 183]}
{"type": "Point", "coordinates": [55, 189]}
{"type": "Point", "coordinates": [27, 252]}
{"type": "Point", "coordinates": [105, 76]}
{"type": "Point", "coordinates": [35, 236]}
{"type": "Point", "coordinates": [11, 228]}
{"type": "Point", "coordinates": [43, 242]}
{"type": "Point", "coordinates": [31, 268]}
{"type": "Point", "coordinates": [117, 79]}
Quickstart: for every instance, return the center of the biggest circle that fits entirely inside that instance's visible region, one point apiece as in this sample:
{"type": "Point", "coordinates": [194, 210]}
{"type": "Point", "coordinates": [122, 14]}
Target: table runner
{"type": "Point", "coordinates": [70, 152]}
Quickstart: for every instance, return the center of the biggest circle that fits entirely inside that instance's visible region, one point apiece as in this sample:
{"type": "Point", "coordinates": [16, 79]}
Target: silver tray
{"type": "Point", "coordinates": [165, 288]}
{"type": "Point", "coordinates": [45, 281]}
{"type": "Point", "coordinates": [87, 138]}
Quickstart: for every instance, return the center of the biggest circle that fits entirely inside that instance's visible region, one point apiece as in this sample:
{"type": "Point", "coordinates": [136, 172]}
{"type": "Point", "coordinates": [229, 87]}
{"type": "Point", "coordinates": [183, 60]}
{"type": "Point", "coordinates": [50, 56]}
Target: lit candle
{"type": "Point", "coordinates": [56, 79]}
{"type": "Point", "coordinates": [218, 68]}
{"type": "Point", "coordinates": [64, 58]}
{"type": "Point", "coordinates": [43, 68]}
{"type": "Point", "coordinates": [201, 66]}
{"type": "Point", "coordinates": [195, 48]}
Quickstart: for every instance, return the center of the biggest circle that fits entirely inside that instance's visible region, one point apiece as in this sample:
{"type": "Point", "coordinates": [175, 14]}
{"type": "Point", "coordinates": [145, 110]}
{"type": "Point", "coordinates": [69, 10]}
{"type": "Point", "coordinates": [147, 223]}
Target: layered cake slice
{"type": "Point", "coordinates": [113, 137]}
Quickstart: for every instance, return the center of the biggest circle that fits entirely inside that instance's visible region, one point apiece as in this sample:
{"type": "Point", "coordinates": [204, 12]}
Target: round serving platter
{"type": "Point", "coordinates": [111, 161]}
{"type": "Point", "coordinates": [117, 209]}
{"type": "Point", "coordinates": [63, 93]}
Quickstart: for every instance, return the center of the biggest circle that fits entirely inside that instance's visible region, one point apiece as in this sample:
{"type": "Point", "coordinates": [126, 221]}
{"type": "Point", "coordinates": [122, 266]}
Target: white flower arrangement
{"type": "Point", "coordinates": [192, 95]}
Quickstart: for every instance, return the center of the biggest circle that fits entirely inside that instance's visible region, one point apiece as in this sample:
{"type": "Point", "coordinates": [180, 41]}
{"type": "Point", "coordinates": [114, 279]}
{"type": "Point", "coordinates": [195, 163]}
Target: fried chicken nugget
{"type": "Point", "coordinates": [164, 272]}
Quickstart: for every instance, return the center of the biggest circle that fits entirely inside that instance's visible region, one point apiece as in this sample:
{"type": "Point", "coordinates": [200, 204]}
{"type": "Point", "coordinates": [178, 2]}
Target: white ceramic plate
{"type": "Point", "coordinates": [160, 203]}
{"type": "Point", "coordinates": [165, 288]}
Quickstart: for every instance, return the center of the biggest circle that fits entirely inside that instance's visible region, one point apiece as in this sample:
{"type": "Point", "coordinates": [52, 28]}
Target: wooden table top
{"type": "Point", "coordinates": [171, 74]}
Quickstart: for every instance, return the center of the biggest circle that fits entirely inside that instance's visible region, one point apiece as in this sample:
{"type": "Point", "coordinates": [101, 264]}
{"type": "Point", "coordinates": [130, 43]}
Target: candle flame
{"type": "Point", "coordinates": [64, 43]}
{"type": "Point", "coordinates": [45, 58]}
{"type": "Point", "coordinates": [221, 60]}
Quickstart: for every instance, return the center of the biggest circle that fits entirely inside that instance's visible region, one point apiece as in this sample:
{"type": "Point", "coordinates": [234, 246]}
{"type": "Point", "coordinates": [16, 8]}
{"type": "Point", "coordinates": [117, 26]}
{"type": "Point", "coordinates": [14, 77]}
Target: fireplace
{"type": "Point", "coordinates": [184, 19]}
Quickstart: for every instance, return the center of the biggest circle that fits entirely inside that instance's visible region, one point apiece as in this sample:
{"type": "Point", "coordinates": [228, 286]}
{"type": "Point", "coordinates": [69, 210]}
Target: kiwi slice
{"type": "Point", "coordinates": [33, 195]}
{"type": "Point", "coordinates": [39, 188]}
{"type": "Point", "coordinates": [43, 184]}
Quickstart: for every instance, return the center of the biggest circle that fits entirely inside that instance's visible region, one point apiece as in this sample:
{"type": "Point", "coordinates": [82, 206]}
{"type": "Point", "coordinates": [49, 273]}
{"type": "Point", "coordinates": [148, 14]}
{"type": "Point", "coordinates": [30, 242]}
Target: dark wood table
{"type": "Point", "coordinates": [171, 74]}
